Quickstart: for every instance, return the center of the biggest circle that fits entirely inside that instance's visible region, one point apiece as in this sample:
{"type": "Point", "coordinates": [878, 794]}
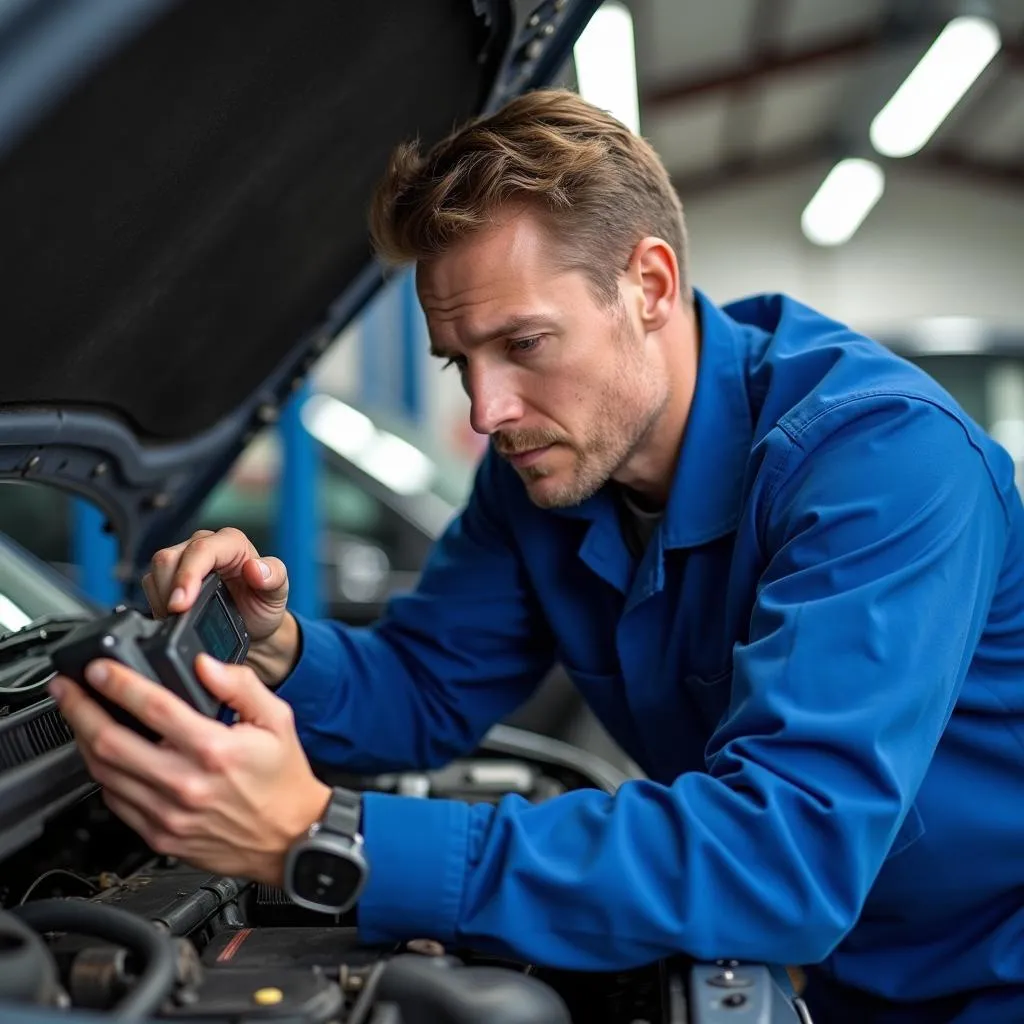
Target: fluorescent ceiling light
{"type": "Point", "coordinates": [606, 64]}
{"type": "Point", "coordinates": [952, 63]}
{"type": "Point", "coordinates": [842, 201]}
{"type": "Point", "coordinates": [337, 425]}
{"type": "Point", "coordinates": [386, 457]}
{"type": "Point", "coordinates": [947, 335]}
{"type": "Point", "coordinates": [397, 464]}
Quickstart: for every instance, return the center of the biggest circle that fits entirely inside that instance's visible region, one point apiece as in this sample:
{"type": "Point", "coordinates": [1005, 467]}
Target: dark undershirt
{"type": "Point", "coordinates": [638, 521]}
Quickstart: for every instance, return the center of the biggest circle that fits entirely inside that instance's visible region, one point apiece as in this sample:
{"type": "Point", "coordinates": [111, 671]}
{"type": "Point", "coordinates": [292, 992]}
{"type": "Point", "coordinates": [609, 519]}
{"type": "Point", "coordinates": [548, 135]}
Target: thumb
{"type": "Point", "coordinates": [268, 577]}
{"type": "Point", "coordinates": [241, 689]}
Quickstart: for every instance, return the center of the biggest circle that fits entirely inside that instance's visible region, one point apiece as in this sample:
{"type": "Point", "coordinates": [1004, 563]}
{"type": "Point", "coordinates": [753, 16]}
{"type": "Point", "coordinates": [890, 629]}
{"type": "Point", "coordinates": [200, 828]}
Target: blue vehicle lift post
{"type": "Point", "coordinates": [94, 552]}
{"type": "Point", "coordinates": [299, 524]}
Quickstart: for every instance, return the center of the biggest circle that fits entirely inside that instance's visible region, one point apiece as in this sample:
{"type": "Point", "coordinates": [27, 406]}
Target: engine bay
{"type": "Point", "coordinates": [94, 923]}
{"type": "Point", "coordinates": [91, 916]}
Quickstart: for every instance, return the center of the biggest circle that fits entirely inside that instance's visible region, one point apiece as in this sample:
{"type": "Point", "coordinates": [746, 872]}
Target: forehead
{"type": "Point", "coordinates": [504, 270]}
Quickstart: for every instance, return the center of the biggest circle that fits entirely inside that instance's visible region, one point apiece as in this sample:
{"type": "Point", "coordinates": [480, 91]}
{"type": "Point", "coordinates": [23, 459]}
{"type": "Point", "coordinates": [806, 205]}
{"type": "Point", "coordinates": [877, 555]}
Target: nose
{"type": "Point", "coordinates": [494, 401]}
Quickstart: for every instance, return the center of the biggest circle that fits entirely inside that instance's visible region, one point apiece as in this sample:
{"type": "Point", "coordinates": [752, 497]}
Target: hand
{"type": "Point", "coordinates": [259, 587]}
{"type": "Point", "coordinates": [225, 799]}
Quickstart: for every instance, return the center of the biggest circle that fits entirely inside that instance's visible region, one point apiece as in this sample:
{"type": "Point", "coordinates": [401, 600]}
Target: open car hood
{"type": "Point", "coordinates": [183, 193]}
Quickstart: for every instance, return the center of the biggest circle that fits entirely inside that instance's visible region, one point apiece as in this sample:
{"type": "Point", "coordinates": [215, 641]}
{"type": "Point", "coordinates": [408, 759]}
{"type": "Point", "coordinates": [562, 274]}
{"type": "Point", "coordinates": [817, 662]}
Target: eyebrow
{"type": "Point", "coordinates": [514, 325]}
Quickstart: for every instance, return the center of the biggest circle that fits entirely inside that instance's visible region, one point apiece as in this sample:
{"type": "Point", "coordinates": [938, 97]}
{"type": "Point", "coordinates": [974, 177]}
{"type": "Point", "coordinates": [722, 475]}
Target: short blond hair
{"type": "Point", "coordinates": [597, 185]}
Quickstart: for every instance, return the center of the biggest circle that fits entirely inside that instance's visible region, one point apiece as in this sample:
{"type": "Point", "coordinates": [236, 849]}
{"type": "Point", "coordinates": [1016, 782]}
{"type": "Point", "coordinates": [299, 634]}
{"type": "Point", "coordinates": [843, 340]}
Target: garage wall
{"type": "Point", "coordinates": [933, 246]}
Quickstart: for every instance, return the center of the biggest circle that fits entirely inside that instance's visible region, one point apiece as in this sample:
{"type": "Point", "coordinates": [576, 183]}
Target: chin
{"type": "Point", "coordinates": [546, 498]}
{"type": "Point", "coordinates": [555, 491]}
{"type": "Point", "coordinates": [563, 483]}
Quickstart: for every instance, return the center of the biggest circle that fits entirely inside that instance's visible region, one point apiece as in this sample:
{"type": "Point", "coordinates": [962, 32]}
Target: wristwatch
{"type": "Point", "coordinates": [326, 869]}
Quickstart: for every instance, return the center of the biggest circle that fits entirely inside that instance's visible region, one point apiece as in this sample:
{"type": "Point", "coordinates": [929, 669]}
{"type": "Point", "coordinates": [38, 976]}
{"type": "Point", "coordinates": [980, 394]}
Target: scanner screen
{"type": "Point", "coordinates": [217, 631]}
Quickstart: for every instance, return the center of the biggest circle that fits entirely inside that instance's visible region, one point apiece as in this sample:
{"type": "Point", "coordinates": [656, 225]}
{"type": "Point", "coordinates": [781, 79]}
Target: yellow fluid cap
{"type": "Point", "coordinates": [267, 996]}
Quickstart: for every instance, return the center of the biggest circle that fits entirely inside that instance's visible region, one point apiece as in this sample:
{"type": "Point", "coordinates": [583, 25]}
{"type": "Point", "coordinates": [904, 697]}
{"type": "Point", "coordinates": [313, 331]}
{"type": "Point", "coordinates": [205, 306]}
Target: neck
{"type": "Point", "coordinates": [649, 469]}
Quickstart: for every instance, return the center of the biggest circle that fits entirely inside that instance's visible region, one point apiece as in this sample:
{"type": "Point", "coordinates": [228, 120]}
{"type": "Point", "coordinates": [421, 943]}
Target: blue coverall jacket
{"type": "Point", "coordinates": [818, 662]}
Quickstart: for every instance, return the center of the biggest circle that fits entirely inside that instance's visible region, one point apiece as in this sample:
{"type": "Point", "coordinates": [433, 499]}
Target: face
{"type": "Point", "coordinates": [566, 388]}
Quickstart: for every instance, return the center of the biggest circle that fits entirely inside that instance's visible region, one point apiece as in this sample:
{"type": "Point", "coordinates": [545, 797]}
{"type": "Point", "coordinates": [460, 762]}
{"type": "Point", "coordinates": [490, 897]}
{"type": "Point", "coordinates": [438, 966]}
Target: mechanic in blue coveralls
{"type": "Point", "coordinates": [783, 566]}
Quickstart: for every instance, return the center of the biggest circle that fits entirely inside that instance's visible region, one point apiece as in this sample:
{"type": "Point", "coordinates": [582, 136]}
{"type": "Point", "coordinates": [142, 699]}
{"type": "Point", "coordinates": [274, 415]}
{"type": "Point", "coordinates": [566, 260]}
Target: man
{"type": "Point", "coordinates": [782, 565]}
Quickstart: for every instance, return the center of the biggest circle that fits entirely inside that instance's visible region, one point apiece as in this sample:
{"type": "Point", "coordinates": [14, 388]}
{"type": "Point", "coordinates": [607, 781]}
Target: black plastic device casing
{"type": "Point", "coordinates": [163, 650]}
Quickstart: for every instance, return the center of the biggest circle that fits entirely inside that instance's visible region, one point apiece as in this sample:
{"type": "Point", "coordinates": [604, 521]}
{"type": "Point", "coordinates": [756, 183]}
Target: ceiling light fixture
{"type": "Point", "coordinates": [948, 69]}
{"type": "Point", "coordinates": [605, 59]}
{"type": "Point", "coordinates": [846, 196]}
{"type": "Point", "coordinates": [389, 459]}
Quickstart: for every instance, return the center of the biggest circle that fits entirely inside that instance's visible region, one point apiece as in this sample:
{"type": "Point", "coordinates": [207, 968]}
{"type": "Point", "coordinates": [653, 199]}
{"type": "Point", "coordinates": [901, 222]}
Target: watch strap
{"type": "Point", "coordinates": [344, 813]}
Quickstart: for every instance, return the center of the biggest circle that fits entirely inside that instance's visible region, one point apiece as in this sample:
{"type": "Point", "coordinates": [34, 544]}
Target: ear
{"type": "Point", "coordinates": [654, 267]}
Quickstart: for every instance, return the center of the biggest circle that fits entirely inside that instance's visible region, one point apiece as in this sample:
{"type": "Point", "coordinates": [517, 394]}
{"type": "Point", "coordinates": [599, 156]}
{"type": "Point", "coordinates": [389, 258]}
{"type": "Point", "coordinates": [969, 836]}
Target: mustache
{"type": "Point", "coordinates": [524, 441]}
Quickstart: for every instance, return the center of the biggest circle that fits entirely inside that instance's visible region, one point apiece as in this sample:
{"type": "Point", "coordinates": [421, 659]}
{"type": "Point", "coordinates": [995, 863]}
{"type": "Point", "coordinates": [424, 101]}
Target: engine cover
{"type": "Point", "coordinates": [251, 993]}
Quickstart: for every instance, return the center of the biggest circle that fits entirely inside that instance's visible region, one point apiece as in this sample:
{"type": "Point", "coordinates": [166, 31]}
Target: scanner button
{"type": "Point", "coordinates": [729, 979]}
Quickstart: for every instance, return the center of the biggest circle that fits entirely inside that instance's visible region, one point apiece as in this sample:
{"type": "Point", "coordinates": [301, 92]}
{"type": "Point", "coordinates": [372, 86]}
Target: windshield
{"type": "Point", "coordinates": [29, 590]}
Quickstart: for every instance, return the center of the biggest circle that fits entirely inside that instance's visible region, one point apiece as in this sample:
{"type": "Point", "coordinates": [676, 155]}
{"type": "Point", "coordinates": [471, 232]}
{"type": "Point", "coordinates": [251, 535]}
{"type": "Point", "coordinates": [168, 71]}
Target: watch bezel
{"type": "Point", "coordinates": [349, 848]}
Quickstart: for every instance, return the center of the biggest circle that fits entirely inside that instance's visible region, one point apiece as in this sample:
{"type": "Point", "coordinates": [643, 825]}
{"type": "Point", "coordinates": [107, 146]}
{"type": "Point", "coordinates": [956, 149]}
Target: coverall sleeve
{"type": "Point", "coordinates": [465, 648]}
{"type": "Point", "coordinates": [883, 545]}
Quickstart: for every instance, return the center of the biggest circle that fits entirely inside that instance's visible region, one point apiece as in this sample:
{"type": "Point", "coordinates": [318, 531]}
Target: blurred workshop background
{"type": "Point", "coordinates": [867, 158]}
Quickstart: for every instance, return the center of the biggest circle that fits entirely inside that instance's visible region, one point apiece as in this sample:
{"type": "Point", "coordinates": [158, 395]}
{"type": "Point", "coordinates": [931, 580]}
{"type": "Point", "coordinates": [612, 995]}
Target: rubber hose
{"type": "Point", "coordinates": [152, 946]}
{"type": "Point", "coordinates": [28, 972]}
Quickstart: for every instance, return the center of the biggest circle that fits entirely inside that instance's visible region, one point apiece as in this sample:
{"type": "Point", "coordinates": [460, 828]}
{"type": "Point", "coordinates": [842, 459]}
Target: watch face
{"type": "Point", "coordinates": [325, 878]}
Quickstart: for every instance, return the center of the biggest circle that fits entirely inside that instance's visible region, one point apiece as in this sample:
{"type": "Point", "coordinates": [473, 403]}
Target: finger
{"type": "Point", "coordinates": [163, 566]}
{"type": "Point", "coordinates": [136, 819]}
{"type": "Point", "coordinates": [166, 564]}
{"type": "Point", "coordinates": [109, 746]}
{"type": "Point", "coordinates": [166, 814]}
{"type": "Point", "coordinates": [184, 728]}
{"type": "Point", "coordinates": [178, 835]}
{"type": "Point", "coordinates": [156, 602]}
{"type": "Point", "coordinates": [132, 790]}
{"type": "Point", "coordinates": [225, 552]}
{"type": "Point", "coordinates": [269, 577]}
{"type": "Point", "coordinates": [88, 721]}
{"type": "Point", "coordinates": [240, 688]}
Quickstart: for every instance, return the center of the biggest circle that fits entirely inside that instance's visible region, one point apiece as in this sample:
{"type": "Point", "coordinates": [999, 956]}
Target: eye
{"type": "Point", "coordinates": [457, 361]}
{"type": "Point", "coordinates": [525, 344]}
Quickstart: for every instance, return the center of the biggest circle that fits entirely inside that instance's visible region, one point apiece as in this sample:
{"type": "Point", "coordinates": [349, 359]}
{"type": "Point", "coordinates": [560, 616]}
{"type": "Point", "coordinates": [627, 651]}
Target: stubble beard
{"type": "Point", "coordinates": [630, 405]}
{"type": "Point", "coordinates": [622, 421]}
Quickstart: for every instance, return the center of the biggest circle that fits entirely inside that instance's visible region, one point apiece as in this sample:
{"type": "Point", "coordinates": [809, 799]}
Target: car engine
{"type": "Point", "coordinates": [93, 920]}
